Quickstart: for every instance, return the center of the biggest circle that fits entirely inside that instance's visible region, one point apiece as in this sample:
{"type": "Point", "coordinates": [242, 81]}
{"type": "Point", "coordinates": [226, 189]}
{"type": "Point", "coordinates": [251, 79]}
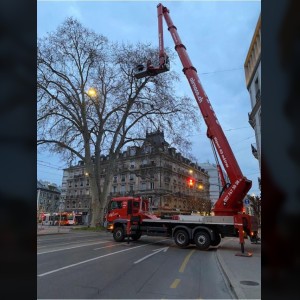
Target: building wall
{"type": "Point", "coordinates": [48, 196]}
{"type": "Point", "coordinates": [255, 97]}
{"type": "Point", "coordinates": [154, 171]}
{"type": "Point", "coordinates": [252, 69]}
{"type": "Point", "coordinates": [214, 181]}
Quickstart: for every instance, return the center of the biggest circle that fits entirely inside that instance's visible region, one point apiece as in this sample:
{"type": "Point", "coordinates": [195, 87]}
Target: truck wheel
{"type": "Point", "coordinates": [181, 238]}
{"type": "Point", "coordinates": [202, 240]}
{"type": "Point", "coordinates": [118, 234]}
{"type": "Point", "coordinates": [216, 241]}
{"type": "Point", "coordinates": [136, 236]}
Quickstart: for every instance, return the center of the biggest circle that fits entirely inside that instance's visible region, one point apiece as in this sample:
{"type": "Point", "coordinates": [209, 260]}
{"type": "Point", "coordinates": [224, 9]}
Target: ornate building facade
{"type": "Point", "coordinates": [252, 69]}
{"type": "Point", "coordinates": [156, 171]}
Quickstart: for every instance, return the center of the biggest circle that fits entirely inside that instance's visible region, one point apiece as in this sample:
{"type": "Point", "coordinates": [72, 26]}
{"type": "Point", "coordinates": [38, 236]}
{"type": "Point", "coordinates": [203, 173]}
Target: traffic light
{"type": "Point", "coordinates": [191, 182]}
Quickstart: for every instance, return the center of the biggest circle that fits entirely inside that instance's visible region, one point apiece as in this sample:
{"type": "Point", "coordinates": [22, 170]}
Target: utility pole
{"type": "Point", "coordinates": [38, 206]}
{"type": "Point", "coordinates": [160, 179]}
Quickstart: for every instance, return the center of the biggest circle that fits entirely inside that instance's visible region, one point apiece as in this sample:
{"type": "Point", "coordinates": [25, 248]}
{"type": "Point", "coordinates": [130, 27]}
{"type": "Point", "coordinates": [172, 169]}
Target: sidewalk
{"type": "Point", "coordinates": [46, 229]}
{"type": "Point", "coordinates": [243, 273]}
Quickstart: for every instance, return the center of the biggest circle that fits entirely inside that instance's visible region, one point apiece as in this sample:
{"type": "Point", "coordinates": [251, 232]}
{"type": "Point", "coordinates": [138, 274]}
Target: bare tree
{"type": "Point", "coordinates": [90, 104]}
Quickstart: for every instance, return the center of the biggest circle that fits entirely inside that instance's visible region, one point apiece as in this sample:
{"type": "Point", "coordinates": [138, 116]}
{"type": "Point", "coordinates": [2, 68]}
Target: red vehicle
{"type": "Point", "coordinates": [228, 219]}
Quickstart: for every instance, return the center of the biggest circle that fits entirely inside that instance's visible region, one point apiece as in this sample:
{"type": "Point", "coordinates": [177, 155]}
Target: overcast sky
{"type": "Point", "coordinates": [217, 35]}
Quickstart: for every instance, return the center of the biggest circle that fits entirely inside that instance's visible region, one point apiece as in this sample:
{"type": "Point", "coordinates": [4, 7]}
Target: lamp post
{"type": "Point", "coordinates": [60, 208]}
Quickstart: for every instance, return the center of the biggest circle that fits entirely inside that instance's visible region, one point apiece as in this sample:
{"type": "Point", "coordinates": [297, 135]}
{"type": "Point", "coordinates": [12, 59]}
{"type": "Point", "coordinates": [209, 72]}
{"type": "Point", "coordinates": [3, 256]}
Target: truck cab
{"type": "Point", "coordinates": [123, 207]}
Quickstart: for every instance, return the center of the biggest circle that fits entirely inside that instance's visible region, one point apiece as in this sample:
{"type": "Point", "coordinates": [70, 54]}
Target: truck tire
{"type": "Point", "coordinates": [181, 238]}
{"type": "Point", "coordinates": [118, 234]}
{"type": "Point", "coordinates": [216, 241]}
{"type": "Point", "coordinates": [136, 236]}
{"type": "Point", "coordinates": [202, 240]}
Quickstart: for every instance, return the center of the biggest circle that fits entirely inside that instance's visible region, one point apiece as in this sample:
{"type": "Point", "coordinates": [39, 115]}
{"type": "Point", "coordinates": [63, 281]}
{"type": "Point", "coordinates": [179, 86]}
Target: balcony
{"type": "Point", "coordinates": [153, 164]}
{"type": "Point", "coordinates": [254, 150]}
{"type": "Point", "coordinates": [255, 109]}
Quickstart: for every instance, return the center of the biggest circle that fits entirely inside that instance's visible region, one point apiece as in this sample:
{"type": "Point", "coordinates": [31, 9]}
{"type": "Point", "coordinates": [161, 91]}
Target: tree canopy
{"type": "Point", "coordinates": [90, 104]}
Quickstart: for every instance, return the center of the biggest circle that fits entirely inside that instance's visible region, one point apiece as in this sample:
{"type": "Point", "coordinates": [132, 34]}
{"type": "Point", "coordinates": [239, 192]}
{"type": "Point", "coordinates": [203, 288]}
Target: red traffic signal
{"type": "Point", "coordinates": [191, 182]}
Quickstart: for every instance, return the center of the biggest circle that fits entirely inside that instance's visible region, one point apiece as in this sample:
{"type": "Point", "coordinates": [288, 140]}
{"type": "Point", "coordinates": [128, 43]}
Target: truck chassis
{"type": "Point", "coordinates": [199, 230]}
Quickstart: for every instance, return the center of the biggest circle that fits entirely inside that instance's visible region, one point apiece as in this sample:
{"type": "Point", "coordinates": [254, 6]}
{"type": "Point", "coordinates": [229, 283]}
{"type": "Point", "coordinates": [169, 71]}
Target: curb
{"type": "Point", "coordinates": [236, 290]}
{"type": "Point", "coordinates": [51, 233]}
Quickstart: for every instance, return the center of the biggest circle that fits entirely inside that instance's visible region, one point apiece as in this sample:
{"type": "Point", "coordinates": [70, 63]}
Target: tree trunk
{"type": "Point", "coordinates": [95, 203]}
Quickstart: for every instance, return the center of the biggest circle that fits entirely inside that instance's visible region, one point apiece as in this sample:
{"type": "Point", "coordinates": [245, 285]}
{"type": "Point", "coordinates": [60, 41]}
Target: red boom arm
{"type": "Point", "coordinates": [231, 201]}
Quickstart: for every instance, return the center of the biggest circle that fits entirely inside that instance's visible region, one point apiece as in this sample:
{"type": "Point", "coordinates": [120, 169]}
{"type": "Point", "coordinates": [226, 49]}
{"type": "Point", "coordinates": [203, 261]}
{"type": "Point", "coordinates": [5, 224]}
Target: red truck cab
{"type": "Point", "coordinates": [123, 207]}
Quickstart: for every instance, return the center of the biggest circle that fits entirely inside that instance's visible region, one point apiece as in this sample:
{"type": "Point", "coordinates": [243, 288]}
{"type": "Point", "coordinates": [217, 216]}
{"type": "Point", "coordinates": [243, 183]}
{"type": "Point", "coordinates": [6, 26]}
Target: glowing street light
{"type": "Point", "coordinates": [92, 92]}
{"type": "Point", "coordinates": [200, 186]}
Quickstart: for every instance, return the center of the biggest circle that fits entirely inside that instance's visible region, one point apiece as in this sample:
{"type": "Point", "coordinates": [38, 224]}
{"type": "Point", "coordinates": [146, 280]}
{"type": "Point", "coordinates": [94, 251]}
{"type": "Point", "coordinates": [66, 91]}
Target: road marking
{"type": "Point", "coordinates": [108, 246]}
{"type": "Point", "coordinates": [147, 256]}
{"type": "Point", "coordinates": [85, 245]}
{"type": "Point", "coordinates": [181, 270]}
{"type": "Point", "coordinates": [175, 283]}
{"type": "Point", "coordinates": [95, 258]}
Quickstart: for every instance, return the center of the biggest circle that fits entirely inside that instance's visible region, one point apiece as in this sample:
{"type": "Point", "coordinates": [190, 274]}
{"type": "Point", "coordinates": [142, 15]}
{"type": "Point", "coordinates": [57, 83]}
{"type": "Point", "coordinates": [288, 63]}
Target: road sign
{"type": "Point", "coordinates": [247, 201]}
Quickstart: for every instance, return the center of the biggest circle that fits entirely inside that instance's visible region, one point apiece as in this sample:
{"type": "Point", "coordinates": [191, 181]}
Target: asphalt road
{"type": "Point", "coordinates": [87, 265]}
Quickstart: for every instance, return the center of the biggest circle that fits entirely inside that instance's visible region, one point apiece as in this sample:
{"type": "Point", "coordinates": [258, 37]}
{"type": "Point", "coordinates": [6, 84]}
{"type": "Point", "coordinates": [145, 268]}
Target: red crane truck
{"type": "Point", "coordinates": [130, 217]}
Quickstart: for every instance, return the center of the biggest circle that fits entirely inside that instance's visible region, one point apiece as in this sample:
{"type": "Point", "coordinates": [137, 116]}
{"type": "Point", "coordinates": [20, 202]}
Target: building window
{"type": "Point", "coordinates": [143, 186]}
{"type": "Point", "coordinates": [114, 189]}
{"type": "Point", "coordinates": [123, 188]}
{"type": "Point", "coordinates": [87, 182]}
{"type": "Point", "coordinates": [152, 185]}
{"type": "Point", "coordinates": [73, 204]}
{"type": "Point", "coordinates": [123, 177]}
{"type": "Point", "coordinates": [131, 176]}
{"type": "Point", "coordinates": [131, 188]}
{"type": "Point", "coordinates": [115, 178]}
{"type": "Point", "coordinates": [87, 191]}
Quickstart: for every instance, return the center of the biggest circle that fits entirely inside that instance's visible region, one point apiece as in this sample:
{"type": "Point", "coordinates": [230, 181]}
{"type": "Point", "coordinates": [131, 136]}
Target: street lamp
{"type": "Point", "coordinates": [92, 92]}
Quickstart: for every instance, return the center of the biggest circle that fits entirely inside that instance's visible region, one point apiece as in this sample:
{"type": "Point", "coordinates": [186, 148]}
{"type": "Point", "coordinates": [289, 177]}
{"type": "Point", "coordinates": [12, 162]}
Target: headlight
{"type": "Point", "coordinates": [110, 226]}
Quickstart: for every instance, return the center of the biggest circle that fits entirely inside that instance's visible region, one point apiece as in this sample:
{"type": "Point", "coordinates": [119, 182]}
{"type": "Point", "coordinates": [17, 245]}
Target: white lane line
{"type": "Point", "coordinates": [85, 245]}
{"type": "Point", "coordinates": [95, 258]}
{"type": "Point", "coordinates": [149, 255]}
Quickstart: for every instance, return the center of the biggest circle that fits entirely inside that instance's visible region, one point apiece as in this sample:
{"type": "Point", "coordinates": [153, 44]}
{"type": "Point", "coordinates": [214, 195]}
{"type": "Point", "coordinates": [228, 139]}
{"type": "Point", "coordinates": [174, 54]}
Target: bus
{"type": "Point", "coordinates": [47, 219]}
{"type": "Point", "coordinates": [67, 218]}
